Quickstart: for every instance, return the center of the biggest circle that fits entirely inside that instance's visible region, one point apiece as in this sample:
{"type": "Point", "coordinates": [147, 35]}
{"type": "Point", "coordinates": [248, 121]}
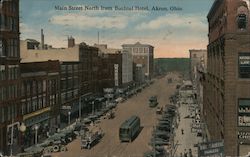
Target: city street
{"type": "Point", "coordinates": [136, 105]}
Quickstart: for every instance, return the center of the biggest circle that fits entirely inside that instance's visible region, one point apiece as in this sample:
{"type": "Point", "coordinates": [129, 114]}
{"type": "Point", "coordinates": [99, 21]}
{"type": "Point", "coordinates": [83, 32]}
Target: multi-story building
{"type": "Point", "coordinates": [142, 54]}
{"type": "Point", "coordinates": [198, 66]}
{"type": "Point", "coordinates": [79, 72]}
{"type": "Point", "coordinates": [127, 67]}
{"type": "Point", "coordinates": [118, 65]}
{"type": "Point", "coordinates": [40, 99]}
{"type": "Point", "coordinates": [197, 57]}
{"type": "Point", "coordinates": [69, 90]}
{"type": "Point", "coordinates": [227, 86]}
{"type": "Point", "coordinates": [9, 73]}
{"type": "Point", "coordinates": [110, 71]}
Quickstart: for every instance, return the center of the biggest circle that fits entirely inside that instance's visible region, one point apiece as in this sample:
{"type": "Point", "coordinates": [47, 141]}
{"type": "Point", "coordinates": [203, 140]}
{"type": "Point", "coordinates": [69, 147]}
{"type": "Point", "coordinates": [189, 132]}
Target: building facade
{"type": "Point", "coordinates": [142, 54]}
{"type": "Point", "coordinates": [227, 82]}
{"type": "Point", "coordinates": [40, 99]}
{"type": "Point", "coordinates": [9, 73]}
{"type": "Point", "coordinates": [197, 57]}
{"type": "Point", "coordinates": [79, 73]}
{"type": "Point", "coordinates": [127, 67]}
{"type": "Point", "coordinates": [70, 80]}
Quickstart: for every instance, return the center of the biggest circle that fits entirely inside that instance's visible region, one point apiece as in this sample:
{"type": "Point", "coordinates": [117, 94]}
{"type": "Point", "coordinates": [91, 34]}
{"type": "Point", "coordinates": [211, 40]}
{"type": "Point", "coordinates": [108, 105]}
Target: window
{"type": "Point", "coordinates": [44, 85]}
{"type": "Point", "coordinates": [242, 21]}
{"type": "Point", "coordinates": [3, 48]}
{"type": "Point", "coordinates": [2, 72]}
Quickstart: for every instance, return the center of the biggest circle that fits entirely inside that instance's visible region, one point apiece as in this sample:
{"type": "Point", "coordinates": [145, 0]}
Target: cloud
{"type": "Point", "coordinates": [189, 21]}
{"type": "Point", "coordinates": [24, 28]}
{"type": "Point", "coordinates": [86, 22]}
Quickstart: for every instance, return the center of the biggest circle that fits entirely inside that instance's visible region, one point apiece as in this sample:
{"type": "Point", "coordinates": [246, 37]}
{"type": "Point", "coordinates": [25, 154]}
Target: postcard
{"type": "Point", "coordinates": [124, 78]}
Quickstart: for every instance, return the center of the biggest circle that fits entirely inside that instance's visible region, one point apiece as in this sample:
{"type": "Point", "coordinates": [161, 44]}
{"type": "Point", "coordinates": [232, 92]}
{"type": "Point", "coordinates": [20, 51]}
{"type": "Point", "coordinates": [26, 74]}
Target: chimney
{"type": "Point", "coordinates": [71, 42]}
{"type": "Point", "coordinates": [42, 39]}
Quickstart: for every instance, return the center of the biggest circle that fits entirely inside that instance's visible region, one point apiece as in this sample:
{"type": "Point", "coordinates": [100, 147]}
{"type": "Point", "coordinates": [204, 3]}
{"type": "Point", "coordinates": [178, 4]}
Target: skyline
{"type": "Point", "coordinates": [165, 30]}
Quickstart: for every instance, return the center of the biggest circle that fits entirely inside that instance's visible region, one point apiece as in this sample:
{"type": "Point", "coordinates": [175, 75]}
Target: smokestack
{"type": "Point", "coordinates": [42, 39]}
{"type": "Point", "coordinates": [71, 42]}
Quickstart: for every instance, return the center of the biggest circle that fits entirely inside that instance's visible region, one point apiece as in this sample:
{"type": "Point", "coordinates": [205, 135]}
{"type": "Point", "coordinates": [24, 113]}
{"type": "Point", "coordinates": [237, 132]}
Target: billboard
{"type": "Point", "coordinates": [211, 149]}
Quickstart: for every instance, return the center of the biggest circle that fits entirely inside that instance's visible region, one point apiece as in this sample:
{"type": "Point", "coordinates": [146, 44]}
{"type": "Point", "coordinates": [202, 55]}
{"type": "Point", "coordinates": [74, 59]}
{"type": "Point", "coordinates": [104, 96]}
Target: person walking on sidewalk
{"type": "Point", "coordinates": [185, 153]}
{"type": "Point", "coordinates": [182, 131]}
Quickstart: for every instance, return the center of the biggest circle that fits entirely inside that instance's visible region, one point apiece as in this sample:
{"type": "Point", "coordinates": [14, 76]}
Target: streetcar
{"type": "Point", "coordinates": [129, 129]}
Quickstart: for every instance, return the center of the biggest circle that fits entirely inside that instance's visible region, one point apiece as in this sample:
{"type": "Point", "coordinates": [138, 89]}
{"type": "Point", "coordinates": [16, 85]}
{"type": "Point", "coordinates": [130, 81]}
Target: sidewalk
{"type": "Point", "coordinates": [187, 140]}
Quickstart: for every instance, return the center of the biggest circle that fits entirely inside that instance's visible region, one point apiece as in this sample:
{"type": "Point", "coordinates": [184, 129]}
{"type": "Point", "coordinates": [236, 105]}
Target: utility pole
{"type": "Point", "coordinates": [80, 108]}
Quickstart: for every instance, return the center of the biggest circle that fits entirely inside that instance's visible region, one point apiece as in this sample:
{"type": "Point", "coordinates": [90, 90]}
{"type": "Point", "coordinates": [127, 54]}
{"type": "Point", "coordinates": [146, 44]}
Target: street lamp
{"type": "Point", "coordinates": [36, 127]}
{"type": "Point", "coordinates": [80, 108]}
{"type": "Point", "coordinates": [22, 129]}
{"type": "Point", "coordinates": [69, 117]}
{"type": "Point", "coordinates": [93, 107]}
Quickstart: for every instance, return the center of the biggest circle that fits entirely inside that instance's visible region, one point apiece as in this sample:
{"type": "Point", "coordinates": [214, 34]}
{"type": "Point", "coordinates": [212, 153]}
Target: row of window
{"type": "Point", "coordinates": [9, 92]}
{"type": "Point", "coordinates": [30, 105]}
{"type": "Point", "coordinates": [32, 87]}
{"type": "Point", "coordinates": [7, 113]}
{"type": "Point", "coordinates": [8, 23]}
{"type": "Point", "coordinates": [69, 83]}
{"type": "Point", "coordinates": [69, 95]}
{"type": "Point", "coordinates": [9, 48]}
{"type": "Point", "coordinates": [13, 71]}
{"type": "Point", "coordinates": [69, 68]}
{"type": "Point", "coordinates": [9, 6]}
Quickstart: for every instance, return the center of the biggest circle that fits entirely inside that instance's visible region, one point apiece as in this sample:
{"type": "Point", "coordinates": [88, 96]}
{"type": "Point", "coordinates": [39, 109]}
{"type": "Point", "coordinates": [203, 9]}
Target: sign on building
{"type": "Point", "coordinates": [244, 65]}
{"type": "Point", "coordinates": [244, 113]}
{"type": "Point", "coordinates": [244, 136]}
{"type": "Point", "coordinates": [116, 70]}
{"type": "Point", "coordinates": [211, 149]}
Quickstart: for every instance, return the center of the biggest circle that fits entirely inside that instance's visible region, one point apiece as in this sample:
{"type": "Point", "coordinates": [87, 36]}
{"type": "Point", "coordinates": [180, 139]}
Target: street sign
{"type": "Point", "coordinates": [66, 107]}
{"type": "Point", "coordinates": [211, 149]}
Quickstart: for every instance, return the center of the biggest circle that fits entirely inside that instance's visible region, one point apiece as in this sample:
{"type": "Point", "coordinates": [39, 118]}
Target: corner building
{"type": "Point", "coordinates": [9, 71]}
{"type": "Point", "coordinates": [227, 84]}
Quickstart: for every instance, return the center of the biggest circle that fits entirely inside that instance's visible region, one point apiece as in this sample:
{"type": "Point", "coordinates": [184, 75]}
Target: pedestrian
{"type": "Point", "coordinates": [190, 152]}
{"type": "Point", "coordinates": [185, 153]}
{"type": "Point", "coordinates": [182, 131]}
{"type": "Point", "coordinates": [181, 155]}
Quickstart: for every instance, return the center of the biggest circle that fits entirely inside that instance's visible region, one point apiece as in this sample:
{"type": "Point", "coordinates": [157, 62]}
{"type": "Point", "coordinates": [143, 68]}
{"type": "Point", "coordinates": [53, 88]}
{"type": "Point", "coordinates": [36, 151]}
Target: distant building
{"type": "Point", "coordinates": [142, 54]}
{"type": "Point", "coordinates": [127, 67]}
{"type": "Point", "coordinates": [139, 75]}
{"type": "Point", "coordinates": [198, 59]}
{"type": "Point", "coordinates": [227, 81]}
{"type": "Point", "coordinates": [198, 66]}
{"type": "Point", "coordinates": [9, 74]}
{"type": "Point", "coordinates": [125, 75]}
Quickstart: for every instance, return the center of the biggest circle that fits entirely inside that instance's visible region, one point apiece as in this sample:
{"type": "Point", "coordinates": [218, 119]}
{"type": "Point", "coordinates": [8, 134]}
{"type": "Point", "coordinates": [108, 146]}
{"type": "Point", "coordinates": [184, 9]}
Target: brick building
{"type": "Point", "coordinates": [40, 98]}
{"type": "Point", "coordinates": [9, 71]}
{"type": "Point", "coordinates": [69, 90]}
{"type": "Point", "coordinates": [112, 62]}
{"type": "Point", "coordinates": [227, 84]}
{"type": "Point", "coordinates": [79, 72]}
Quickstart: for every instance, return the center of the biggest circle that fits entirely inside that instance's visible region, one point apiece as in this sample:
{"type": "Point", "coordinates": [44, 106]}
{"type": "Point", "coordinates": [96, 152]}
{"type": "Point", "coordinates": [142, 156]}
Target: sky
{"type": "Point", "coordinates": [171, 32]}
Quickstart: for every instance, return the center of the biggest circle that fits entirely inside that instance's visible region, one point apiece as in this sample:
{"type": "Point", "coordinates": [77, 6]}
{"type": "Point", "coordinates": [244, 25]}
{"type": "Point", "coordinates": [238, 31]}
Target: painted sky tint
{"type": "Point", "coordinates": [172, 33]}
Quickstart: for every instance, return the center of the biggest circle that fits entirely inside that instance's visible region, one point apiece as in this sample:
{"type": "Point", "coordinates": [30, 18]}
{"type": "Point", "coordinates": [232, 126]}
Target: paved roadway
{"type": "Point", "coordinates": [110, 145]}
